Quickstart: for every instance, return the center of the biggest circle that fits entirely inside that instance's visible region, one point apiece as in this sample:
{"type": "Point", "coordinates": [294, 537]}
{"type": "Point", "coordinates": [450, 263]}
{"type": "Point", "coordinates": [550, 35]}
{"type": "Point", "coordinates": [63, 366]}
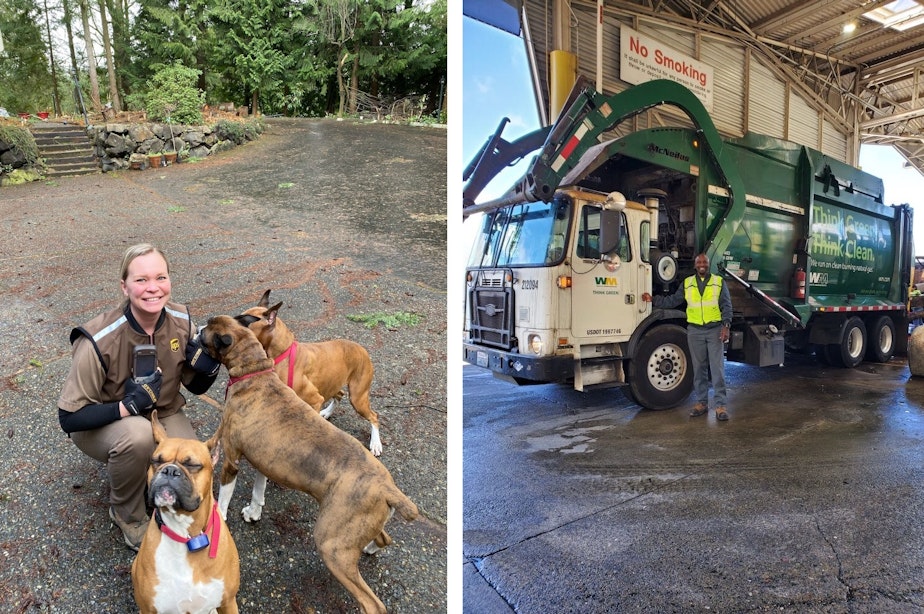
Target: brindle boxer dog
{"type": "Point", "coordinates": [265, 422]}
{"type": "Point", "coordinates": [316, 371]}
{"type": "Point", "coordinates": [187, 561]}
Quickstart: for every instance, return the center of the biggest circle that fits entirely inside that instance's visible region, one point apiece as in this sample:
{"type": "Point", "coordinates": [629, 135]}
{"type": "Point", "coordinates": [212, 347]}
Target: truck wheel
{"type": "Point", "coordinates": [852, 348]}
{"type": "Point", "coordinates": [661, 374]}
{"type": "Point", "coordinates": [880, 336]}
{"type": "Point", "coordinates": [832, 355]}
{"type": "Point", "coordinates": [821, 353]}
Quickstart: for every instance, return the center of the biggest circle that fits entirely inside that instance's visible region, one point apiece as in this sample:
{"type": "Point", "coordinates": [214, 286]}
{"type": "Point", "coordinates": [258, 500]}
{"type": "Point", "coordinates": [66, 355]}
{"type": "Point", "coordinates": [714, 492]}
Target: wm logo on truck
{"type": "Point", "coordinates": [606, 281]}
{"type": "Point", "coordinates": [818, 279]}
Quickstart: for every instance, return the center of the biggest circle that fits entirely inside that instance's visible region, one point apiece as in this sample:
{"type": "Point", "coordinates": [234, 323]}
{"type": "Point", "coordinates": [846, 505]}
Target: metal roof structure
{"type": "Point", "coordinates": [861, 63]}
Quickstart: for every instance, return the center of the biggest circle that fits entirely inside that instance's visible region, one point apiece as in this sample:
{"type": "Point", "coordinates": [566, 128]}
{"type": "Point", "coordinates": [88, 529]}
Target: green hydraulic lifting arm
{"type": "Point", "coordinates": [493, 157]}
{"type": "Point", "coordinates": [586, 116]}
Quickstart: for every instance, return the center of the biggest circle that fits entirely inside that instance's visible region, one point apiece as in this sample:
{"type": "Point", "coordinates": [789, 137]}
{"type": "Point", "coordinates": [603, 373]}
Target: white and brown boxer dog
{"type": "Point", "coordinates": [264, 421]}
{"type": "Point", "coordinates": [316, 371]}
{"type": "Point", "coordinates": [187, 562]}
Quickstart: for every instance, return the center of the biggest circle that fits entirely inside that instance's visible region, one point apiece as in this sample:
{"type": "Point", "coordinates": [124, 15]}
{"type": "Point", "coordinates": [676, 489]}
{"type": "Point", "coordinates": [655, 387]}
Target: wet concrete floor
{"type": "Point", "coordinates": [808, 500]}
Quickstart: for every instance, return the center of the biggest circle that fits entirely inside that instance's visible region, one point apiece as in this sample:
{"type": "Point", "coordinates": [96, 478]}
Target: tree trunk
{"type": "Point", "coordinates": [374, 46]}
{"type": "Point", "coordinates": [56, 97]}
{"type": "Point", "coordinates": [354, 79]}
{"type": "Point", "coordinates": [68, 17]}
{"type": "Point", "coordinates": [110, 60]}
{"type": "Point", "coordinates": [120, 44]}
{"type": "Point", "coordinates": [91, 57]}
{"type": "Point", "coordinates": [341, 86]}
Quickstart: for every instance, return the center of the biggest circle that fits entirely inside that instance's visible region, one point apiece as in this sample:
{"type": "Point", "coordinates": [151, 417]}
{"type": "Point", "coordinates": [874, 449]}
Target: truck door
{"type": "Point", "coordinates": [603, 291]}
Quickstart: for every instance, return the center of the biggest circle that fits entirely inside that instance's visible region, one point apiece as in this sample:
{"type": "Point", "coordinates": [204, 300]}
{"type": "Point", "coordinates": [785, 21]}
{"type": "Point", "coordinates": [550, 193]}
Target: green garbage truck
{"type": "Point", "coordinates": [815, 260]}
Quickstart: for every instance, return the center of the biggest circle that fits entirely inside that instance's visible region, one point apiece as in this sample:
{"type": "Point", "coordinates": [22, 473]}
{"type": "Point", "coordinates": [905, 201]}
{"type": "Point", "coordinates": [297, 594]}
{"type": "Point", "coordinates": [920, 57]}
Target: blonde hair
{"type": "Point", "coordinates": [142, 249]}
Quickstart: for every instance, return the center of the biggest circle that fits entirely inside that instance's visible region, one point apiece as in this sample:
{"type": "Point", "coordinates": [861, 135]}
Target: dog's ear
{"type": "Point", "coordinates": [271, 314]}
{"type": "Point", "coordinates": [160, 433]}
{"type": "Point", "coordinates": [225, 341]}
{"type": "Point", "coordinates": [246, 320]}
{"type": "Point", "coordinates": [264, 300]}
{"type": "Point", "coordinates": [213, 443]}
{"type": "Point", "coordinates": [215, 449]}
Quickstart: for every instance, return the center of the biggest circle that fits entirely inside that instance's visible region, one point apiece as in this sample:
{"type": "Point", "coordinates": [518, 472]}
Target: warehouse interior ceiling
{"type": "Point", "coordinates": [859, 62]}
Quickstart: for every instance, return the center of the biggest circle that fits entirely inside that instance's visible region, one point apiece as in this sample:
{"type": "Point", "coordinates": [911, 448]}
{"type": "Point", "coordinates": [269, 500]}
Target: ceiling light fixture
{"type": "Point", "coordinates": [850, 27]}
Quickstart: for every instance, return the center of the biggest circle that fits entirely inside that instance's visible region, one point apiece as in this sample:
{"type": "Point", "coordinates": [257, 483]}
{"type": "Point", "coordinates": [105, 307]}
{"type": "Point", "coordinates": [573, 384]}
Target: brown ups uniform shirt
{"type": "Point", "coordinates": [102, 358]}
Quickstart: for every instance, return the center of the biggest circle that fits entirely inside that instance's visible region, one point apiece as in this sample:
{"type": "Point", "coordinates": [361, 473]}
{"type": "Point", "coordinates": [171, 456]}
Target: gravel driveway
{"type": "Point", "coordinates": [342, 221]}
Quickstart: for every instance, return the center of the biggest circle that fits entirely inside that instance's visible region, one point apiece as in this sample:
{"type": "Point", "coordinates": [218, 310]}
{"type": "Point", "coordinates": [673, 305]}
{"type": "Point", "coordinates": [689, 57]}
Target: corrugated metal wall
{"type": "Point", "coordinates": [803, 122]}
{"type": "Point", "coordinates": [748, 96]}
{"type": "Point", "coordinates": [766, 101]}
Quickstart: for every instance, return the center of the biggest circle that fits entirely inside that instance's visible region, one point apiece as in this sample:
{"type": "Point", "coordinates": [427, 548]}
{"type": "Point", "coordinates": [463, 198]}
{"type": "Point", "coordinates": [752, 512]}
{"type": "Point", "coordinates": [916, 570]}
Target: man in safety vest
{"type": "Point", "coordinates": [709, 315]}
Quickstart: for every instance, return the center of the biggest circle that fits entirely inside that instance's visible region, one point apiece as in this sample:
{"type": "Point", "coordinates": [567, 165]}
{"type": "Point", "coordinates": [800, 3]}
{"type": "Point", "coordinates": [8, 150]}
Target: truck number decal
{"type": "Point", "coordinates": [603, 331]}
{"type": "Point", "coordinates": [529, 284]}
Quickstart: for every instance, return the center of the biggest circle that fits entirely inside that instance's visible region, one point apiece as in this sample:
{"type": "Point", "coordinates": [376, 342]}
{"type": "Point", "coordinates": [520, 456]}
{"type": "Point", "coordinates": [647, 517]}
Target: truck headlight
{"type": "Point", "coordinates": [534, 342]}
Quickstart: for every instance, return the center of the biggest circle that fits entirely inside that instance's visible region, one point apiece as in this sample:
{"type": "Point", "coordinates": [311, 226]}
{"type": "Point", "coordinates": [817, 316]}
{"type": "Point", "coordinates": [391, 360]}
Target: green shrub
{"type": "Point", "coordinates": [239, 132]}
{"type": "Point", "coordinates": [174, 93]}
{"type": "Point", "coordinates": [254, 128]}
{"type": "Point", "coordinates": [228, 130]}
{"type": "Point", "coordinates": [21, 139]}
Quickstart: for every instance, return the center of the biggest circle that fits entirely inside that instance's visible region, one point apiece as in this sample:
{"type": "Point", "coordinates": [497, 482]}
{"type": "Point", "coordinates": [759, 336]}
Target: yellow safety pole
{"type": "Point", "coordinates": [562, 75]}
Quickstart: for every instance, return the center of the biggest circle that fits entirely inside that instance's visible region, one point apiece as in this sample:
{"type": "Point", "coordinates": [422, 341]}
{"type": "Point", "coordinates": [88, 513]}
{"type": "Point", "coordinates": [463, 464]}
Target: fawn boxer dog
{"type": "Point", "coordinates": [265, 422]}
{"type": "Point", "coordinates": [187, 561]}
{"type": "Point", "coordinates": [316, 371]}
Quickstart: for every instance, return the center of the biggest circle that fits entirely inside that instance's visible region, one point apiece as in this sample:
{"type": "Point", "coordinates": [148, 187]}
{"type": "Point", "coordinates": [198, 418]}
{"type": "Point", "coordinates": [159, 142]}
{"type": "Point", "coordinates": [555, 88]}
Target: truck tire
{"type": "Point", "coordinates": [821, 353]}
{"type": "Point", "coordinates": [661, 373]}
{"type": "Point", "coordinates": [852, 348]}
{"type": "Point", "coordinates": [880, 337]}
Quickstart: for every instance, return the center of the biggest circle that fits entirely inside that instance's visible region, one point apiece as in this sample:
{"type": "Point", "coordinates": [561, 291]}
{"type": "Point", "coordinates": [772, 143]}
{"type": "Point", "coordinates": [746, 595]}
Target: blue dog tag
{"type": "Point", "coordinates": [197, 543]}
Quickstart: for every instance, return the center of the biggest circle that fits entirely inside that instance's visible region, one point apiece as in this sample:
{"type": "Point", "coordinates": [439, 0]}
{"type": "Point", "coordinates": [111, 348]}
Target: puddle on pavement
{"type": "Point", "coordinates": [570, 439]}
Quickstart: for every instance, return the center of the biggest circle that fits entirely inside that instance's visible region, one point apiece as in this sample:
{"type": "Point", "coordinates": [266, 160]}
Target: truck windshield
{"type": "Point", "coordinates": [530, 234]}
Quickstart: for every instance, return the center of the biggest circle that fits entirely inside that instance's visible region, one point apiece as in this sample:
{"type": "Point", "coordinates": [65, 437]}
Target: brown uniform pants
{"type": "Point", "coordinates": [126, 447]}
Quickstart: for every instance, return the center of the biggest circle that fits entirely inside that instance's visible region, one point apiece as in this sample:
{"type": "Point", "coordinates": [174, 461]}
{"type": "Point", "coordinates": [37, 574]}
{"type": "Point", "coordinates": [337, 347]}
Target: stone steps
{"type": "Point", "coordinates": [66, 149]}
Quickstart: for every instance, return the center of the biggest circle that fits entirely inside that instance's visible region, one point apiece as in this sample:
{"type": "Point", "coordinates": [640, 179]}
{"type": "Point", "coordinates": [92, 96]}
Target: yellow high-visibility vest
{"type": "Point", "coordinates": [703, 309]}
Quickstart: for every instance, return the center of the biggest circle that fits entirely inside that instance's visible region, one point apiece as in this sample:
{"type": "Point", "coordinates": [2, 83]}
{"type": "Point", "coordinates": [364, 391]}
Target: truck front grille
{"type": "Point", "coordinates": [491, 311]}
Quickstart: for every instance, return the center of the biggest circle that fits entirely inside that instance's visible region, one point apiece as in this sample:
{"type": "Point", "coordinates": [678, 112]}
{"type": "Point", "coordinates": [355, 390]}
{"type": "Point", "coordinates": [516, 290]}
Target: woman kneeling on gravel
{"type": "Point", "coordinates": [105, 407]}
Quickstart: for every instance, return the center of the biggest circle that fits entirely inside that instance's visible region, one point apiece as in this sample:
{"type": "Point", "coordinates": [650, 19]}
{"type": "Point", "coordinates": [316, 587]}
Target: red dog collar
{"type": "Point", "coordinates": [235, 380]}
{"type": "Point", "coordinates": [194, 544]}
{"type": "Point", "coordinates": [290, 354]}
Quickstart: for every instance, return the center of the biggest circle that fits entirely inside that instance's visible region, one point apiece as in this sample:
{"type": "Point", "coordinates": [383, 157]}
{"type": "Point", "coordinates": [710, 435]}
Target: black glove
{"type": "Point", "coordinates": [141, 393]}
{"type": "Point", "coordinates": [200, 360]}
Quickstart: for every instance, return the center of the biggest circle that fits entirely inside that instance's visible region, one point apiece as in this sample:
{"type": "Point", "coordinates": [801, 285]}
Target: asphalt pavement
{"type": "Point", "coordinates": [810, 499]}
{"type": "Point", "coordinates": [345, 222]}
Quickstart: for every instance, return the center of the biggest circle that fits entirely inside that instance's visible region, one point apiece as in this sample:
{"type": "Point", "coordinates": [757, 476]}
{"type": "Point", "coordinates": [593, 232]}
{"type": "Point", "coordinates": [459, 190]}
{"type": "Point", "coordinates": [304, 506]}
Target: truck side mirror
{"type": "Point", "coordinates": [610, 230]}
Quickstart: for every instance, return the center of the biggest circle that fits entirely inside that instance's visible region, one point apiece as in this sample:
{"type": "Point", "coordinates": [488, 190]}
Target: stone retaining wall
{"type": "Point", "coordinates": [117, 144]}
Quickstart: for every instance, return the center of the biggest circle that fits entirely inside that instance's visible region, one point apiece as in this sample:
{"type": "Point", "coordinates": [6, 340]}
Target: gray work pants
{"type": "Point", "coordinates": [707, 351]}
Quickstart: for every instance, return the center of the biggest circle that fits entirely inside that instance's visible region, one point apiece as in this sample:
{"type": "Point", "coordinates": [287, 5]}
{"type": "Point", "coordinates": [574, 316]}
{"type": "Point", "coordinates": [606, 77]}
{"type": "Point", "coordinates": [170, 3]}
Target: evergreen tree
{"type": "Point", "coordinates": [336, 24]}
{"type": "Point", "coordinates": [410, 57]}
{"type": "Point", "coordinates": [298, 57]}
{"type": "Point", "coordinates": [251, 47]}
{"type": "Point", "coordinates": [166, 32]}
{"type": "Point", "coordinates": [310, 88]}
{"type": "Point", "coordinates": [25, 79]}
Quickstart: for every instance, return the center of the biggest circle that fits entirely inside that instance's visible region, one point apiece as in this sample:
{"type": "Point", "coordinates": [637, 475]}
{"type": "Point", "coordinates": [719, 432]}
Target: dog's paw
{"type": "Point", "coordinates": [375, 443]}
{"type": "Point", "coordinates": [252, 513]}
{"type": "Point", "coordinates": [371, 548]}
{"type": "Point", "coordinates": [328, 408]}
